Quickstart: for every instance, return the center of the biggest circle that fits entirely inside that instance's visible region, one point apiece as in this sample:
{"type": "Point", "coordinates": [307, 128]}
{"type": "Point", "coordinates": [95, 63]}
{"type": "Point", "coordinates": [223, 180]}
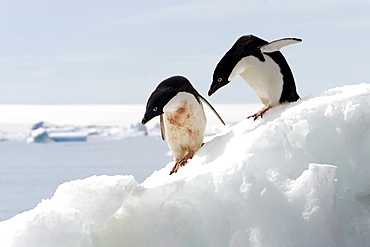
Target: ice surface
{"type": "Point", "coordinates": [297, 177]}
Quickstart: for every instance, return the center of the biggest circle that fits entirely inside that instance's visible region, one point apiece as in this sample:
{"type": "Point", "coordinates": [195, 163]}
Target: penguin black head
{"type": "Point", "coordinates": [164, 92]}
{"type": "Point", "coordinates": [247, 45]}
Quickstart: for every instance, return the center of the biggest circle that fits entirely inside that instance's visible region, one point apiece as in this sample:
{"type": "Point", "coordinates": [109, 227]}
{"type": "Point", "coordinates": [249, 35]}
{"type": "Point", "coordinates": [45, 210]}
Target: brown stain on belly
{"type": "Point", "coordinates": [174, 120]}
{"type": "Point", "coordinates": [177, 119]}
{"type": "Point", "coordinates": [181, 110]}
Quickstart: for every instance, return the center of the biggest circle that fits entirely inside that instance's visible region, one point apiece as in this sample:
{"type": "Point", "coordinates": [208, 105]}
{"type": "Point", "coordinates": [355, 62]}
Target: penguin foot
{"type": "Point", "coordinates": [260, 113]}
{"type": "Point", "coordinates": [181, 162]}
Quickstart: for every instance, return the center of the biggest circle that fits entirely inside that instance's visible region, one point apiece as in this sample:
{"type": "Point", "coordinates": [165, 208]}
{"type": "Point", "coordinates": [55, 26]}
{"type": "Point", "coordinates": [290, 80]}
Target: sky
{"type": "Point", "coordinates": [117, 52]}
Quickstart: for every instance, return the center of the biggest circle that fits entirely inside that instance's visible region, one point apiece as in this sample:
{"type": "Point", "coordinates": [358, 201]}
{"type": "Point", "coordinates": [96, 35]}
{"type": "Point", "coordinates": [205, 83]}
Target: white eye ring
{"type": "Point", "coordinates": [219, 79]}
{"type": "Point", "coordinates": [155, 108]}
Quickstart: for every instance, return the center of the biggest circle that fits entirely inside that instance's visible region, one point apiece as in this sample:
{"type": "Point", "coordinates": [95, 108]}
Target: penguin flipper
{"type": "Point", "coordinates": [162, 126]}
{"type": "Point", "coordinates": [278, 44]}
{"type": "Point", "coordinates": [213, 109]}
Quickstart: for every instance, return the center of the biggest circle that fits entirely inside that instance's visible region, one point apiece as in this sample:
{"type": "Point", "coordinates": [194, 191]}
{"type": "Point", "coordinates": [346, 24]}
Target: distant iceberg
{"type": "Point", "coordinates": [300, 176]}
{"type": "Point", "coordinates": [42, 133]}
{"type": "Point", "coordinates": [39, 135]}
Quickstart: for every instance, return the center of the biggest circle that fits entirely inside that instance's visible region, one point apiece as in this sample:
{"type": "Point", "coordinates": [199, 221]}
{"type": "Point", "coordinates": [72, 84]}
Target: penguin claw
{"type": "Point", "coordinates": [181, 162]}
{"type": "Point", "coordinates": [255, 116]}
{"type": "Point", "coordinates": [175, 168]}
{"type": "Point", "coordinates": [260, 113]}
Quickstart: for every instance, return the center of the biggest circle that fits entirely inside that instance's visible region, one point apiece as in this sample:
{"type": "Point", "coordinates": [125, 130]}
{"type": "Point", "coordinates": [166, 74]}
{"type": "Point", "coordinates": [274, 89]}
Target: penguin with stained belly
{"type": "Point", "coordinates": [262, 66]}
{"type": "Point", "coordinates": [182, 117]}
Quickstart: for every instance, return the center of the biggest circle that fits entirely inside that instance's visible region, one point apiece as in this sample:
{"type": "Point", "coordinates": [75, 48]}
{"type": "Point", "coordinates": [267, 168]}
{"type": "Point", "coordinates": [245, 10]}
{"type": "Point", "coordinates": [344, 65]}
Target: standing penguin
{"type": "Point", "coordinates": [182, 117]}
{"type": "Point", "coordinates": [262, 66]}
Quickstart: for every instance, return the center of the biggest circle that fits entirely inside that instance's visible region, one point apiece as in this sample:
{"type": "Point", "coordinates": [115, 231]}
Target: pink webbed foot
{"type": "Point", "coordinates": [181, 162]}
{"type": "Point", "coordinates": [260, 113]}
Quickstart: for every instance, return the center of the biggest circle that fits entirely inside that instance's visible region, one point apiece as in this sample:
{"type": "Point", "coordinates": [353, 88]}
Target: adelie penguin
{"type": "Point", "coordinates": [262, 66]}
{"type": "Point", "coordinates": [182, 117]}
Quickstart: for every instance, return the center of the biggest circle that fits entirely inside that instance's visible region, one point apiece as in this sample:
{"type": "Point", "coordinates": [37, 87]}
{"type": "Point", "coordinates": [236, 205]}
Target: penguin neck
{"type": "Point", "coordinates": [178, 101]}
{"type": "Point", "coordinates": [239, 68]}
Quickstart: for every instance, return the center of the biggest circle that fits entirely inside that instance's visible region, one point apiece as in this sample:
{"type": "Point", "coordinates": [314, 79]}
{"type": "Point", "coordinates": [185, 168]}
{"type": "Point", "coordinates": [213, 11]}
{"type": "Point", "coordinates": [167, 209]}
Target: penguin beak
{"type": "Point", "coordinates": [213, 89]}
{"type": "Point", "coordinates": [210, 92]}
{"type": "Point", "coordinates": [215, 86]}
{"type": "Point", "coordinates": [144, 121]}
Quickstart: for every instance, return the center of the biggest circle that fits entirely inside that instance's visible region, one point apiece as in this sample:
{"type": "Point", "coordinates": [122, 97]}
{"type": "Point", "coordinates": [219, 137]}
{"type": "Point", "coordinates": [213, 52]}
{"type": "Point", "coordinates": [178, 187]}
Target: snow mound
{"type": "Point", "coordinates": [300, 176]}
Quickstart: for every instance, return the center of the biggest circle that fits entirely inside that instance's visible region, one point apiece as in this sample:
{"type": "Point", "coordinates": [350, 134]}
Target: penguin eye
{"type": "Point", "coordinates": [155, 108]}
{"type": "Point", "coordinates": [219, 79]}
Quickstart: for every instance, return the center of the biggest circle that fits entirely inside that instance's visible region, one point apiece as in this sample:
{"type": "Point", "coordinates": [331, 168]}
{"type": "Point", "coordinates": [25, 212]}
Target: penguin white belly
{"type": "Point", "coordinates": [184, 124]}
{"type": "Point", "coordinates": [265, 78]}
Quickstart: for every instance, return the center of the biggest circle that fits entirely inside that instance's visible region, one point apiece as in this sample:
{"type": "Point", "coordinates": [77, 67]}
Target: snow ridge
{"type": "Point", "coordinates": [297, 177]}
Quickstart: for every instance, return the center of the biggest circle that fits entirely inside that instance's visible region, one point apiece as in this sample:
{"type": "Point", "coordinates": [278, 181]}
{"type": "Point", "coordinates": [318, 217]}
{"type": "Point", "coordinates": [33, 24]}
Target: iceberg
{"type": "Point", "coordinates": [43, 133]}
{"type": "Point", "coordinates": [300, 176]}
{"type": "Point", "coordinates": [56, 134]}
